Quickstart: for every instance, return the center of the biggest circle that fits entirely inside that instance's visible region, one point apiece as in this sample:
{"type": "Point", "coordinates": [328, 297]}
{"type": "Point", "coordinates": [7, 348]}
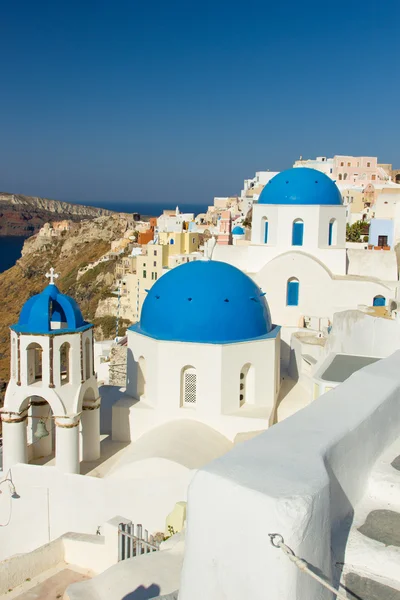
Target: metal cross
{"type": "Point", "coordinates": [52, 275]}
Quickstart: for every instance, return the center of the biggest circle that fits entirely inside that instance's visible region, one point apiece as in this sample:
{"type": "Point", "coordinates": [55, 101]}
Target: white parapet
{"type": "Point", "coordinates": [302, 479]}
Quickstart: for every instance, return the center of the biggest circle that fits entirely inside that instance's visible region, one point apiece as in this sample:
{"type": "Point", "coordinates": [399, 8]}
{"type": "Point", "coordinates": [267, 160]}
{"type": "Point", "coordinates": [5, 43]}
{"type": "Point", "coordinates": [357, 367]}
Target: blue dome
{"type": "Point", "coordinates": [47, 308]}
{"type": "Point", "coordinates": [301, 186]}
{"type": "Point", "coordinates": [238, 230]}
{"type": "Point", "coordinates": [205, 302]}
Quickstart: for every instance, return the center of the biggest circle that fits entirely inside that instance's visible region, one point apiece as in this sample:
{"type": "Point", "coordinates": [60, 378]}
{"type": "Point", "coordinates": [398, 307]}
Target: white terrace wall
{"type": "Point", "coordinates": [52, 503]}
{"type": "Point", "coordinates": [301, 479]}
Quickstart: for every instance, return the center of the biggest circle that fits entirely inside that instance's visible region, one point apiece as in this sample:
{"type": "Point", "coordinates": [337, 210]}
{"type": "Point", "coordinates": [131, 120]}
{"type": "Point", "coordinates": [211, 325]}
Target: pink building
{"type": "Point", "coordinates": [357, 169]}
{"type": "Point", "coordinates": [224, 228]}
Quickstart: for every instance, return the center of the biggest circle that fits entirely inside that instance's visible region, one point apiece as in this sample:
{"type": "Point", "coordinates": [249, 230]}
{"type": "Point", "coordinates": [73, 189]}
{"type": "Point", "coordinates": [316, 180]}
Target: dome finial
{"type": "Point", "coordinates": [52, 275]}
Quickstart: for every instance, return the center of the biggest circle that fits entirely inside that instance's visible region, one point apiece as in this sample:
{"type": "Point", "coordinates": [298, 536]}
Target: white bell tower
{"type": "Point", "coordinates": [53, 387]}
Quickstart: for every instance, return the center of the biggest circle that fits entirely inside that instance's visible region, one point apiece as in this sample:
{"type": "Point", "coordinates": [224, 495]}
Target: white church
{"type": "Point", "coordinates": [298, 255]}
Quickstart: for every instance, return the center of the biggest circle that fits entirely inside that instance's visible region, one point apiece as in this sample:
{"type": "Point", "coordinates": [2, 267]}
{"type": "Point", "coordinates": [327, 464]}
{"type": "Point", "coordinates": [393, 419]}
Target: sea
{"type": "Point", "coordinates": [10, 247]}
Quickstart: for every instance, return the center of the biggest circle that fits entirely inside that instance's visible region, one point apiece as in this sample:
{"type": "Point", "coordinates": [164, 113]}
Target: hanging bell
{"type": "Point", "coordinates": [41, 431]}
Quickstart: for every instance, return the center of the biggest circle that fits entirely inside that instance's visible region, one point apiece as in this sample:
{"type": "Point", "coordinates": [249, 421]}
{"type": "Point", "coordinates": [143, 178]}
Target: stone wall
{"type": "Point", "coordinates": [118, 356]}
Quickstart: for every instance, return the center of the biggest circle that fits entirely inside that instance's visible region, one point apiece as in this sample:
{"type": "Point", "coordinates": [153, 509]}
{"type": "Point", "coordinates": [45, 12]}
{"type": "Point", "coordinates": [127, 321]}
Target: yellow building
{"type": "Point", "coordinates": [183, 242]}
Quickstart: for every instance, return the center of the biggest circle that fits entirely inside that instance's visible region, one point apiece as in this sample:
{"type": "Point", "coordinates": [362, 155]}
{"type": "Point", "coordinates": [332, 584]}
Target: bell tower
{"type": "Point", "coordinates": [53, 388]}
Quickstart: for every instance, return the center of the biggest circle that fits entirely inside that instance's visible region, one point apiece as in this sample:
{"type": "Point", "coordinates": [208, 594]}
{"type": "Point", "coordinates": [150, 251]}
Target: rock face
{"type": "Point", "coordinates": [25, 215]}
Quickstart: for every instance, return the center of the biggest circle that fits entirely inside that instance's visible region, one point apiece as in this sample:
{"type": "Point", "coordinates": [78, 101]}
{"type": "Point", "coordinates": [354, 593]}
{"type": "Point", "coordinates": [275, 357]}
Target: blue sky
{"type": "Point", "coordinates": [179, 101]}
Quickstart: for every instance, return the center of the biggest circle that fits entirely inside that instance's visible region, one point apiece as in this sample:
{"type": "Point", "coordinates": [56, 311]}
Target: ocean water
{"type": "Point", "coordinates": [10, 251]}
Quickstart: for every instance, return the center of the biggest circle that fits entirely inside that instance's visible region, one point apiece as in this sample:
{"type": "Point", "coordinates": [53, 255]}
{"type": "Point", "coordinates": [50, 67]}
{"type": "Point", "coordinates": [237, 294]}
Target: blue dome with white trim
{"type": "Point", "coordinates": [238, 230]}
{"type": "Point", "coordinates": [50, 312]}
{"type": "Point", "coordinates": [205, 302]}
{"type": "Point", "coordinates": [301, 186]}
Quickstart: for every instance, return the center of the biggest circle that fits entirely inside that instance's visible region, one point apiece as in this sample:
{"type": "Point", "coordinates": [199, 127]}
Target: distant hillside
{"type": "Point", "coordinates": [25, 215]}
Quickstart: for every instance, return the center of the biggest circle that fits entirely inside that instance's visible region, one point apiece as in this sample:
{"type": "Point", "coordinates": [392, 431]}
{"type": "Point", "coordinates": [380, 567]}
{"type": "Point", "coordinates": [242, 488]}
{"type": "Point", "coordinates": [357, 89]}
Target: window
{"type": "Point", "coordinates": [155, 252]}
{"type": "Point", "coordinates": [332, 233]}
{"type": "Point", "coordinates": [349, 164]}
{"type": "Point", "coordinates": [342, 164]}
{"type": "Point", "coordinates": [34, 355]}
{"type": "Point", "coordinates": [141, 377]}
{"type": "Point", "coordinates": [155, 263]}
{"type": "Point", "coordinates": [64, 363]}
{"type": "Point", "coordinates": [144, 274]}
{"type": "Point", "coordinates": [292, 292]}
{"type": "Point", "coordinates": [382, 240]}
{"type": "Point", "coordinates": [155, 276]}
{"type": "Point", "coordinates": [379, 301]}
{"type": "Point", "coordinates": [340, 177]}
{"type": "Point", "coordinates": [188, 387]}
{"type": "Point", "coordinates": [368, 164]}
{"type": "Point", "coordinates": [88, 359]}
{"type": "Point", "coordinates": [172, 242]}
{"type": "Point", "coordinates": [297, 232]}
{"type": "Point", "coordinates": [264, 229]}
{"type": "Point", "coordinates": [345, 176]}
{"type": "Point", "coordinates": [246, 385]}
{"type": "Point", "coordinates": [358, 163]}
{"type": "Point", "coordinates": [373, 177]}
{"type": "Point", "coordinates": [193, 240]}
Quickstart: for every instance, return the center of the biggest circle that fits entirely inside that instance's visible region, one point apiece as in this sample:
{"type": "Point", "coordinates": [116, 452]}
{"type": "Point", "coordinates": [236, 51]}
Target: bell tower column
{"type": "Point", "coordinates": [14, 439]}
{"type": "Point", "coordinates": [91, 430]}
{"type": "Point", "coordinates": [67, 444]}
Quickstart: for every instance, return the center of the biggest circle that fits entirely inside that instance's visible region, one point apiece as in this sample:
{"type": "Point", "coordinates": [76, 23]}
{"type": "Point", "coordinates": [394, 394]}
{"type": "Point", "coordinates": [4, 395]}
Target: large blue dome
{"type": "Point", "coordinates": [50, 312]}
{"type": "Point", "coordinates": [206, 302]}
{"type": "Point", "coordinates": [301, 186]}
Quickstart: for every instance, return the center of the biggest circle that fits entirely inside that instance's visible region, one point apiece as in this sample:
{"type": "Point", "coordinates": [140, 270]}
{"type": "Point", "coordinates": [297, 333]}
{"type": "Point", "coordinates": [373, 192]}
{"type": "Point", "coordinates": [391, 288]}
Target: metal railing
{"type": "Point", "coordinates": [131, 544]}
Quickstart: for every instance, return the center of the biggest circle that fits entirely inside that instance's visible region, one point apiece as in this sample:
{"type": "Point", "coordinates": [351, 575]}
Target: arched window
{"type": "Point", "coordinates": [246, 385]}
{"type": "Point", "coordinates": [34, 357]}
{"type": "Point", "coordinates": [188, 387]}
{"type": "Point", "coordinates": [379, 301]}
{"type": "Point", "coordinates": [345, 176]}
{"type": "Point", "coordinates": [172, 242]}
{"type": "Point", "coordinates": [88, 359]}
{"type": "Point", "coordinates": [297, 232]}
{"type": "Point", "coordinates": [65, 363]}
{"type": "Point", "coordinates": [292, 292]}
{"type": "Point", "coordinates": [332, 233]}
{"type": "Point", "coordinates": [340, 177]}
{"type": "Point", "coordinates": [141, 377]}
{"type": "Point", "coordinates": [264, 230]}
{"type": "Point", "coordinates": [14, 359]}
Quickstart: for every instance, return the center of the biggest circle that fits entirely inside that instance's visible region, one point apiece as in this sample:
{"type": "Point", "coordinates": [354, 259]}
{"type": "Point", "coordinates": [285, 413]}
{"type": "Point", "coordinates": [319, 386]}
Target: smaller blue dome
{"type": "Point", "coordinates": [47, 308]}
{"type": "Point", "coordinates": [238, 230]}
{"type": "Point", "coordinates": [301, 186]}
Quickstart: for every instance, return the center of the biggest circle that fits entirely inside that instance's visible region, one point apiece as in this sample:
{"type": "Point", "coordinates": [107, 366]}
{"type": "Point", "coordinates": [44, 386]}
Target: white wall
{"type": "Point", "coordinates": [367, 263]}
{"type": "Point", "coordinates": [301, 479]}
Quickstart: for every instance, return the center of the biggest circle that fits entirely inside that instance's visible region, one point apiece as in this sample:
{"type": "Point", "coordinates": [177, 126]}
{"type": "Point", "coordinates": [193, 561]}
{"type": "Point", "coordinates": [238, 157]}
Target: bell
{"type": "Point", "coordinates": [41, 430]}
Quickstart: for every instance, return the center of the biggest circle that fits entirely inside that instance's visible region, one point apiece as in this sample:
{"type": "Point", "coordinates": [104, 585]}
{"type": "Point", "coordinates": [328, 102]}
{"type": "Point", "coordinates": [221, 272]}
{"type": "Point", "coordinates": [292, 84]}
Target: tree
{"type": "Point", "coordinates": [354, 232]}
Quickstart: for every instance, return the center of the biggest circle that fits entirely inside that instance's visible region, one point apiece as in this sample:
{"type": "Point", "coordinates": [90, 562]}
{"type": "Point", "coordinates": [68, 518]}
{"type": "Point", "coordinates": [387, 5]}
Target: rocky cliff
{"type": "Point", "coordinates": [69, 253]}
{"type": "Point", "coordinates": [25, 215]}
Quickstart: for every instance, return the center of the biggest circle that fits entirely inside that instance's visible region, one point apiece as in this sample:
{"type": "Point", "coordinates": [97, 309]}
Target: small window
{"type": "Point", "coordinates": [144, 274]}
{"type": "Point", "coordinates": [373, 177]}
{"type": "Point", "coordinates": [155, 276]}
{"type": "Point", "coordinates": [349, 164]}
{"type": "Point", "coordinates": [155, 252]}
{"type": "Point", "coordinates": [292, 292]}
{"type": "Point", "coordinates": [297, 232]}
{"type": "Point", "coordinates": [172, 242]}
{"type": "Point", "coordinates": [368, 164]}
{"type": "Point", "coordinates": [155, 263]}
{"type": "Point", "coordinates": [379, 301]}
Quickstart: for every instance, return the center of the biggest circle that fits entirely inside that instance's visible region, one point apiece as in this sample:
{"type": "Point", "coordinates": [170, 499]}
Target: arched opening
{"type": "Point", "coordinates": [345, 176]}
{"type": "Point", "coordinates": [332, 232]}
{"type": "Point", "coordinates": [297, 232]}
{"type": "Point", "coordinates": [246, 385]}
{"type": "Point", "coordinates": [65, 363]}
{"type": "Point", "coordinates": [172, 242]}
{"type": "Point", "coordinates": [88, 359]}
{"type": "Point", "coordinates": [34, 358]}
{"type": "Point", "coordinates": [340, 177]}
{"type": "Point", "coordinates": [40, 431]}
{"type": "Point", "coordinates": [379, 301]}
{"type": "Point", "coordinates": [188, 387]}
{"type": "Point", "coordinates": [264, 230]}
{"type": "Point", "coordinates": [14, 359]}
{"type": "Point", "coordinates": [141, 378]}
{"type": "Point", "coordinates": [292, 292]}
